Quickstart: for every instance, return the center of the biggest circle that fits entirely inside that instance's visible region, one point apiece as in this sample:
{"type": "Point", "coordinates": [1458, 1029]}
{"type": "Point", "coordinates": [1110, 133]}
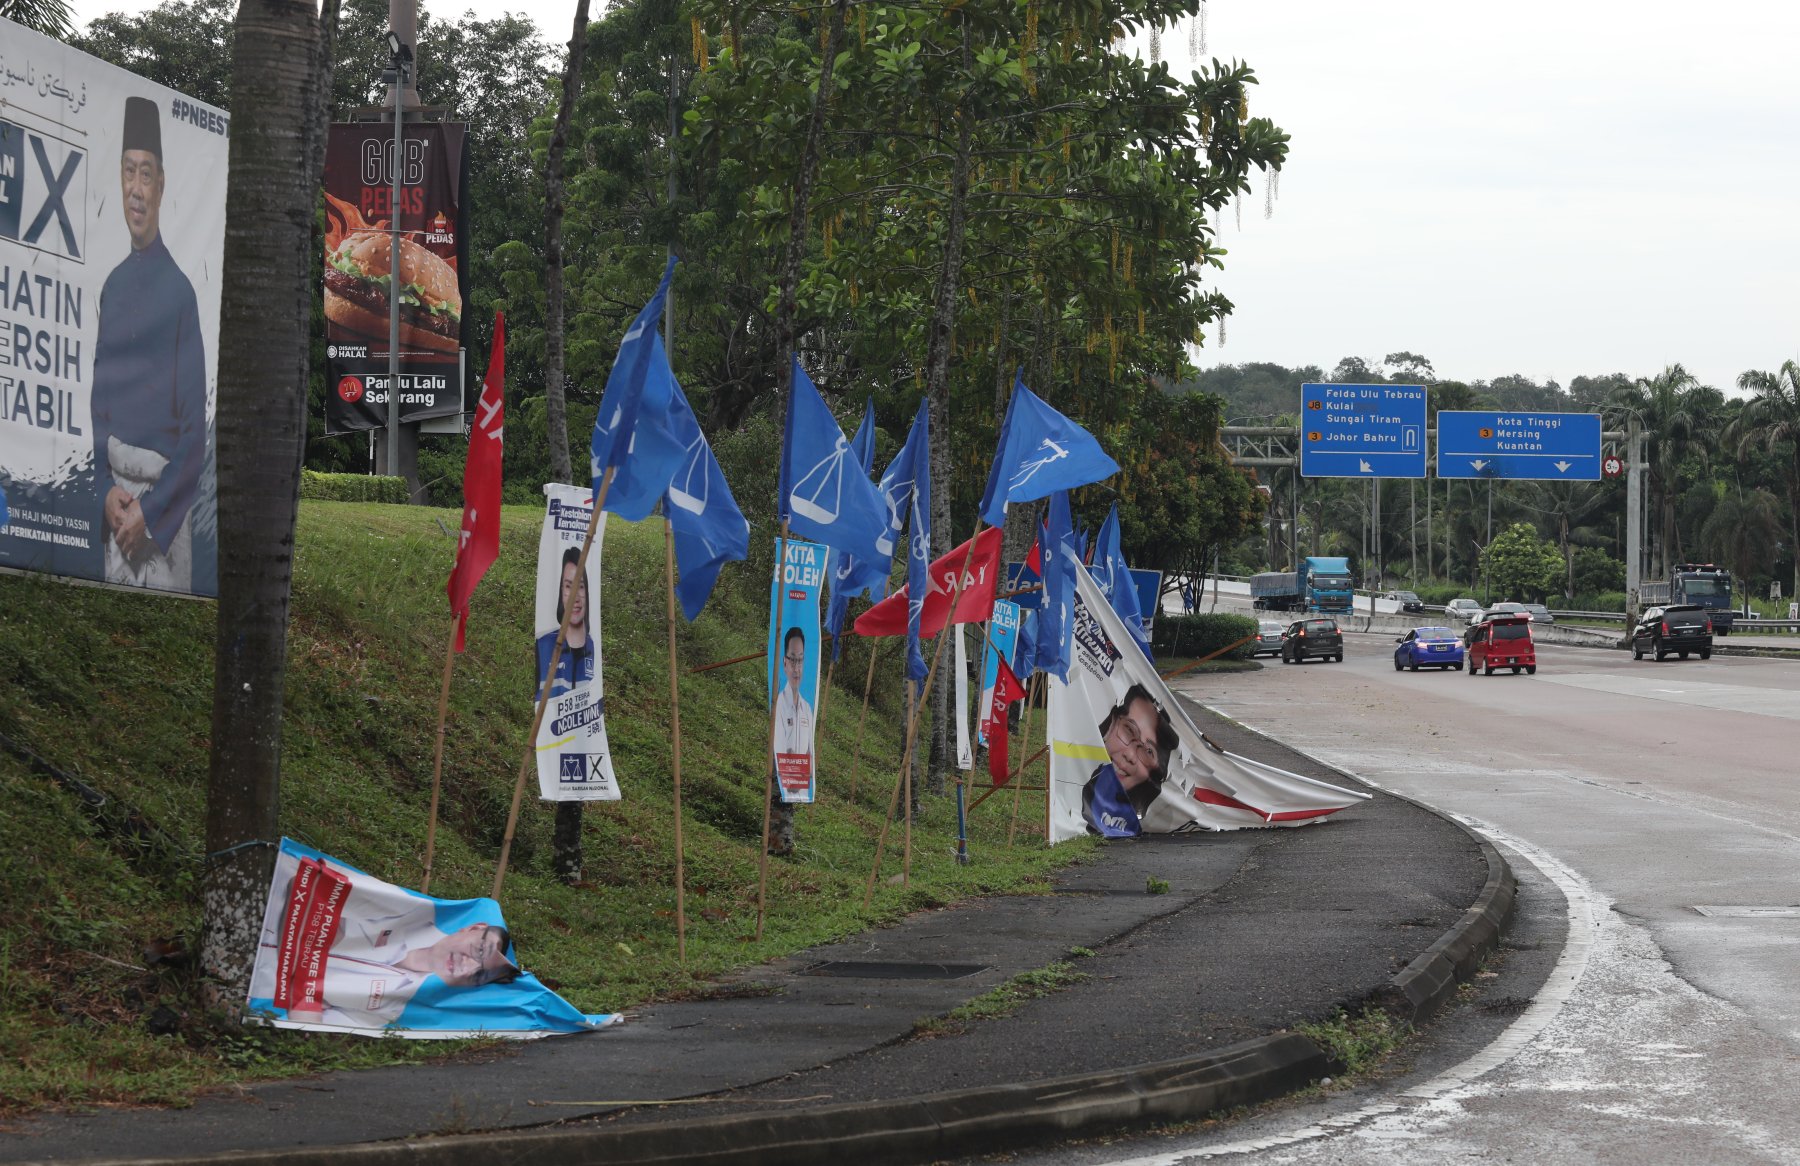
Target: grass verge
{"type": "Point", "coordinates": [1359, 1042]}
{"type": "Point", "coordinates": [1004, 1000]}
{"type": "Point", "coordinates": [97, 992]}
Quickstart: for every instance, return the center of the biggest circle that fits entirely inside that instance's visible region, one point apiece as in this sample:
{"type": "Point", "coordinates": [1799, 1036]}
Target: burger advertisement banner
{"type": "Point", "coordinates": [360, 269]}
{"type": "Point", "coordinates": [112, 232]}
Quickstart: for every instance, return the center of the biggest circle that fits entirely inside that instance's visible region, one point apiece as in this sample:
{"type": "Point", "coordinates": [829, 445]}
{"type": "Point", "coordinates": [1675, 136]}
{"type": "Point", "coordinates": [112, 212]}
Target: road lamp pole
{"type": "Point", "coordinates": [401, 55]}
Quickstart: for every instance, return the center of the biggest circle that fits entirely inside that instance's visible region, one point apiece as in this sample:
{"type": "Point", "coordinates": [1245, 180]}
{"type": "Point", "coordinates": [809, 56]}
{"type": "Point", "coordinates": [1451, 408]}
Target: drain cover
{"type": "Point", "coordinates": [1751, 912]}
{"type": "Point", "coordinates": [893, 970]}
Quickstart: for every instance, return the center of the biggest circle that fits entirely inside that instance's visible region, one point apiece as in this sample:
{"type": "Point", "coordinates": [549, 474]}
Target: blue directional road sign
{"type": "Point", "coordinates": [1555, 447]}
{"type": "Point", "coordinates": [1362, 431]}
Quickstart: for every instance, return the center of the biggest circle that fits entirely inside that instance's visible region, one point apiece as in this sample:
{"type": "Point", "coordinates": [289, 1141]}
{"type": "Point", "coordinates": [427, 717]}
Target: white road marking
{"type": "Point", "coordinates": [1735, 698]}
{"type": "Point", "coordinates": [1571, 965]}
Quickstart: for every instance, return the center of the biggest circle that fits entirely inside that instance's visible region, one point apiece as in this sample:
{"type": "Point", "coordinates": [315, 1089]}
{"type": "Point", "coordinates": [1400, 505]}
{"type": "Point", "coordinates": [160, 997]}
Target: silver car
{"type": "Point", "coordinates": [1268, 637]}
{"type": "Point", "coordinates": [1466, 610]}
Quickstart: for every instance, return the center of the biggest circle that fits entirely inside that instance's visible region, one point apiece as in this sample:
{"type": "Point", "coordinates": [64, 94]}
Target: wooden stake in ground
{"type": "Point", "coordinates": [437, 759]}
{"type": "Point", "coordinates": [543, 700]}
{"type": "Point", "coordinates": [1024, 744]}
{"type": "Point", "coordinates": [868, 686]}
{"type": "Point", "coordinates": [675, 751]}
{"type": "Point", "coordinates": [762, 858]}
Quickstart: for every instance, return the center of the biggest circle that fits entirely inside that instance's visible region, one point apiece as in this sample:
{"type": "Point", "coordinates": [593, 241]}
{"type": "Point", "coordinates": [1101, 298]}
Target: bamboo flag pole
{"type": "Point", "coordinates": [912, 721]}
{"type": "Point", "coordinates": [1024, 744]}
{"type": "Point", "coordinates": [543, 700]}
{"type": "Point", "coordinates": [762, 858]}
{"type": "Point", "coordinates": [868, 686]}
{"type": "Point", "coordinates": [437, 760]}
{"type": "Point", "coordinates": [675, 751]}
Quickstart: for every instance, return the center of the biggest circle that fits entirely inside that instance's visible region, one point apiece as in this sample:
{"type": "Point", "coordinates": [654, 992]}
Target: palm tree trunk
{"type": "Point", "coordinates": [556, 406]}
{"type": "Point", "coordinates": [281, 79]}
{"type": "Point", "coordinates": [939, 336]}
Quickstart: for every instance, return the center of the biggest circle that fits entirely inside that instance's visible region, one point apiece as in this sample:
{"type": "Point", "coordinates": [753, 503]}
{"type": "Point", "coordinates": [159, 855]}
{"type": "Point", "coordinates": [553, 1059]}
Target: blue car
{"type": "Point", "coordinates": [1428, 648]}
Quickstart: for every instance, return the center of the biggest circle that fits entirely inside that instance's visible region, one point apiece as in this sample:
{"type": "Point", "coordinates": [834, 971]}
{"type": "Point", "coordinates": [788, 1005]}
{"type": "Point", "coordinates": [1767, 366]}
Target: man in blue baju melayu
{"type": "Point", "coordinates": [149, 395]}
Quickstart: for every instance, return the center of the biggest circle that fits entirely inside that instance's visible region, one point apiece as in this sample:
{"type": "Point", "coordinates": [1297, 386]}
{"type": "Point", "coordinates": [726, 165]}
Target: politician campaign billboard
{"type": "Point", "coordinates": [359, 271]}
{"type": "Point", "coordinates": [112, 231]}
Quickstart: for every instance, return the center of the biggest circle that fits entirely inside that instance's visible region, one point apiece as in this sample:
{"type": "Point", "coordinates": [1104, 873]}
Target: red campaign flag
{"type": "Point", "coordinates": [888, 618]}
{"type": "Point", "coordinates": [1007, 689]}
{"type": "Point", "coordinates": [479, 544]}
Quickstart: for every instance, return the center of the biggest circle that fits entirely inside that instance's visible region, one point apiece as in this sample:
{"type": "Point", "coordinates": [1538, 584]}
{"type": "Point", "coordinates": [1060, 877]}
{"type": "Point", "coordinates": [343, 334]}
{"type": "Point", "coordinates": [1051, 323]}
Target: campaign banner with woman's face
{"type": "Point", "coordinates": [112, 232]}
{"type": "Point", "coordinates": [794, 667]}
{"type": "Point", "coordinates": [343, 951]}
{"type": "Point", "coordinates": [574, 763]}
{"type": "Point", "coordinates": [1125, 758]}
{"type": "Point", "coordinates": [1002, 639]}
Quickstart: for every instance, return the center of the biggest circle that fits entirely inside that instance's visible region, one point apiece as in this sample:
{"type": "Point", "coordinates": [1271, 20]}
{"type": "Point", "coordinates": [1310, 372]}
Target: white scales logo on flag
{"type": "Point", "coordinates": [826, 477]}
{"type": "Point", "coordinates": [682, 488]}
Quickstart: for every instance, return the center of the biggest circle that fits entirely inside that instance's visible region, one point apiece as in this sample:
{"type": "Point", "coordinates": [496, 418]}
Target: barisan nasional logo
{"type": "Point", "coordinates": [43, 186]}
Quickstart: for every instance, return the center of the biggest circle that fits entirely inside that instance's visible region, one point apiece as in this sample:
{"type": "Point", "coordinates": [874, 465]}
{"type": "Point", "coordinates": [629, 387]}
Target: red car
{"type": "Point", "coordinates": [1501, 642]}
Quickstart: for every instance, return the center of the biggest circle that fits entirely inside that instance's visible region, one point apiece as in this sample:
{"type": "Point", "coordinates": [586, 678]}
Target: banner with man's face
{"type": "Point", "coordinates": [343, 951]}
{"type": "Point", "coordinates": [1125, 759]}
{"type": "Point", "coordinates": [794, 667]}
{"type": "Point", "coordinates": [574, 763]}
{"type": "Point", "coordinates": [112, 230]}
{"type": "Point", "coordinates": [1003, 638]}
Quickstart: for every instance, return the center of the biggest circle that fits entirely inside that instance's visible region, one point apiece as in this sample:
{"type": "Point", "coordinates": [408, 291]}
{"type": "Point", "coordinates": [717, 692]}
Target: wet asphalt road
{"type": "Point", "coordinates": [1643, 1010]}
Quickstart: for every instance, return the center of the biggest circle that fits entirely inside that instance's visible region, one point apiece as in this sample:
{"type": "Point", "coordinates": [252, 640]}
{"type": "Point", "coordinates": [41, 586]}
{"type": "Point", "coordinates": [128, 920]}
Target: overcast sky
{"type": "Point", "coordinates": [1546, 189]}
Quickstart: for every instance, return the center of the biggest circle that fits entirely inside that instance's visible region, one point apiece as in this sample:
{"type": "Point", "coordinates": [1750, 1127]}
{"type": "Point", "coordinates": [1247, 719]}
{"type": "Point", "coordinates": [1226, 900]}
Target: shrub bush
{"type": "Point", "coordinates": [1201, 635]}
{"type": "Point", "coordinates": [352, 487]}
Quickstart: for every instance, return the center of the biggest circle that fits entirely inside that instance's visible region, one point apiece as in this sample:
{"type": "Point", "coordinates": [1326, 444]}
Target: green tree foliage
{"type": "Point", "coordinates": [1521, 566]}
{"type": "Point", "coordinates": [1772, 420]}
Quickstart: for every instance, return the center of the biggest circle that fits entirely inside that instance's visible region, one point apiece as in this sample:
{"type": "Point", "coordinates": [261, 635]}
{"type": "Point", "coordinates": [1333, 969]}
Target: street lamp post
{"type": "Point", "coordinates": [401, 55]}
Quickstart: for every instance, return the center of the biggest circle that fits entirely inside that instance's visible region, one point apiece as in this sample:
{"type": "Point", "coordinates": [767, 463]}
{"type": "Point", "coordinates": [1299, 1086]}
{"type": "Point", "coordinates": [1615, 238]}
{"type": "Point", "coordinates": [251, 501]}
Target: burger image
{"type": "Point", "coordinates": [358, 274]}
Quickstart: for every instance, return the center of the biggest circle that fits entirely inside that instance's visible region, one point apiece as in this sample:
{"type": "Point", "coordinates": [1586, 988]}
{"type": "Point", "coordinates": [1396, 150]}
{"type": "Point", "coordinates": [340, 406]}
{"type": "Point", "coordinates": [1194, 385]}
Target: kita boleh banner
{"type": "Point", "coordinates": [574, 763]}
{"type": "Point", "coordinates": [343, 951]}
{"type": "Point", "coordinates": [360, 272]}
{"type": "Point", "coordinates": [112, 231]}
{"type": "Point", "coordinates": [1125, 759]}
{"type": "Point", "coordinates": [794, 668]}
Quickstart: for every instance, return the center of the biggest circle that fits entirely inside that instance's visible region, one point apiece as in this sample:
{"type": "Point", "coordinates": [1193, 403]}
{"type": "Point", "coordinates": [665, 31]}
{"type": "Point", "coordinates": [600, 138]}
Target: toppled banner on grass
{"type": "Point", "coordinates": [343, 951]}
{"type": "Point", "coordinates": [1125, 758]}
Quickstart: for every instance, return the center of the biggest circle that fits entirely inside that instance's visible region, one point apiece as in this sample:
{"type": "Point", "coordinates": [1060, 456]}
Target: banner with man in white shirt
{"type": "Point", "coordinates": [794, 668]}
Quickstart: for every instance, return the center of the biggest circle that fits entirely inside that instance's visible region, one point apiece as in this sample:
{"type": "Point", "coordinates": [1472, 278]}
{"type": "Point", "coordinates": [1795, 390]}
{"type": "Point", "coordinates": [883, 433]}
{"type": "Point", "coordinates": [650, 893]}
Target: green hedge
{"type": "Point", "coordinates": [1200, 635]}
{"type": "Point", "coordinates": [351, 488]}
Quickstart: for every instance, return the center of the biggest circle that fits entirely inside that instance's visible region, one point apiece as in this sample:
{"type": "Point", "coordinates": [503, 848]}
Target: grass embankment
{"type": "Point", "coordinates": [116, 689]}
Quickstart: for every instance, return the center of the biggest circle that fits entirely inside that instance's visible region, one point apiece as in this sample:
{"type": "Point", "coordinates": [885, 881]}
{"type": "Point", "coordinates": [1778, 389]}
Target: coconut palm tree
{"type": "Point", "coordinates": [1671, 407]}
{"type": "Point", "coordinates": [1771, 419]}
{"type": "Point", "coordinates": [50, 17]}
{"type": "Point", "coordinates": [281, 77]}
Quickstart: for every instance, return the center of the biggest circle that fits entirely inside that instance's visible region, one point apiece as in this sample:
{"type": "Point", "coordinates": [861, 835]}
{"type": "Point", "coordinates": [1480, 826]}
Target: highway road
{"type": "Point", "coordinates": [1644, 1009]}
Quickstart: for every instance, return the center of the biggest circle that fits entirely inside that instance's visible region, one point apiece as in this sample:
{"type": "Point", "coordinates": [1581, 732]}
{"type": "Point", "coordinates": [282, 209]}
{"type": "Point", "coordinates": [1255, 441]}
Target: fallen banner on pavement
{"type": "Point", "coordinates": [1125, 759]}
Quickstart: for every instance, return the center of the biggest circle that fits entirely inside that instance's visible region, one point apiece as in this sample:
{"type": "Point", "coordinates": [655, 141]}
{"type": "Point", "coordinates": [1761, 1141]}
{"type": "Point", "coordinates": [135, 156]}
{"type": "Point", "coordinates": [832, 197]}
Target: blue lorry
{"type": "Point", "coordinates": [1700, 583]}
{"type": "Point", "coordinates": [1321, 584]}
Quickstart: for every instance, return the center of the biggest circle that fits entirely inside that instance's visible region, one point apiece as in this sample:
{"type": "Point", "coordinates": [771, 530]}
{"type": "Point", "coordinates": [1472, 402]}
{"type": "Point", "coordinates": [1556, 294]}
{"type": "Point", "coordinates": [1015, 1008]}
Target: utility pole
{"type": "Point", "coordinates": [1634, 517]}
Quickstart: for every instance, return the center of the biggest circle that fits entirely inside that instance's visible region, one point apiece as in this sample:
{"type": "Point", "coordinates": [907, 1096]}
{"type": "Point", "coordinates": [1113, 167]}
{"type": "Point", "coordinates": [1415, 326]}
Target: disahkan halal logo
{"type": "Point", "coordinates": [440, 232]}
{"type": "Point", "coordinates": [350, 389]}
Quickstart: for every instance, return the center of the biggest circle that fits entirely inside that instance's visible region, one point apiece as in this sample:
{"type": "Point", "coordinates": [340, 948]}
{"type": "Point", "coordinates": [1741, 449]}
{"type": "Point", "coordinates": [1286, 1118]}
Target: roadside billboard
{"type": "Point", "coordinates": [112, 232]}
{"type": "Point", "coordinates": [434, 279]}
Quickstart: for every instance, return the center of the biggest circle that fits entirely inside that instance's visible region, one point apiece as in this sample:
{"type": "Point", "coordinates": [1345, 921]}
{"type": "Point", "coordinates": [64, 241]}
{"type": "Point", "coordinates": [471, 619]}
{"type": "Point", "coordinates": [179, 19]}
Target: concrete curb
{"type": "Point", "coordinates": [964, 1121]}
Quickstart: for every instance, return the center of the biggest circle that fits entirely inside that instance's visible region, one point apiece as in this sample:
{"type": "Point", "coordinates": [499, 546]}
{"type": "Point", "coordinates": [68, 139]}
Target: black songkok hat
{"type": "Point", "coordinates": [143, 127]}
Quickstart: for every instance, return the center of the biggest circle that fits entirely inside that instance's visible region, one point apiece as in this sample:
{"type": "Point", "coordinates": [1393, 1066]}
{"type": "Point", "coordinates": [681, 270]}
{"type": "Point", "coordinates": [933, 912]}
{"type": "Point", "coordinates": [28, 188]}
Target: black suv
{"type": "Point", "coordinates": [1312, 637]}
{"type": "Point", "coordinates": [1678, 628]}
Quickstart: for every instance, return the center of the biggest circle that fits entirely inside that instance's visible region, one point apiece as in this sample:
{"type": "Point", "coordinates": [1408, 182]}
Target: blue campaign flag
{"type": "Point", "coordinates": [5, 516]}
{"type": "Point", "coordinates": [1024, 661]}
{"type": "Point", "coordinates": [1040, 452]}
{"type": "Point", "coordinates": [709, 529]}
{"type": "Point", "coordinates": [1058, 612]}
{"type": "Point", "coordinates": [823, 496]}
{"type": "Point", "coordinates": [906, 494]}
{"type": "Point", "coordinates": [848, 576]}
{"type": "Point", "coordinates": [1115, 580]}
{"type": "Point", "coordinates": [632, 434]}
